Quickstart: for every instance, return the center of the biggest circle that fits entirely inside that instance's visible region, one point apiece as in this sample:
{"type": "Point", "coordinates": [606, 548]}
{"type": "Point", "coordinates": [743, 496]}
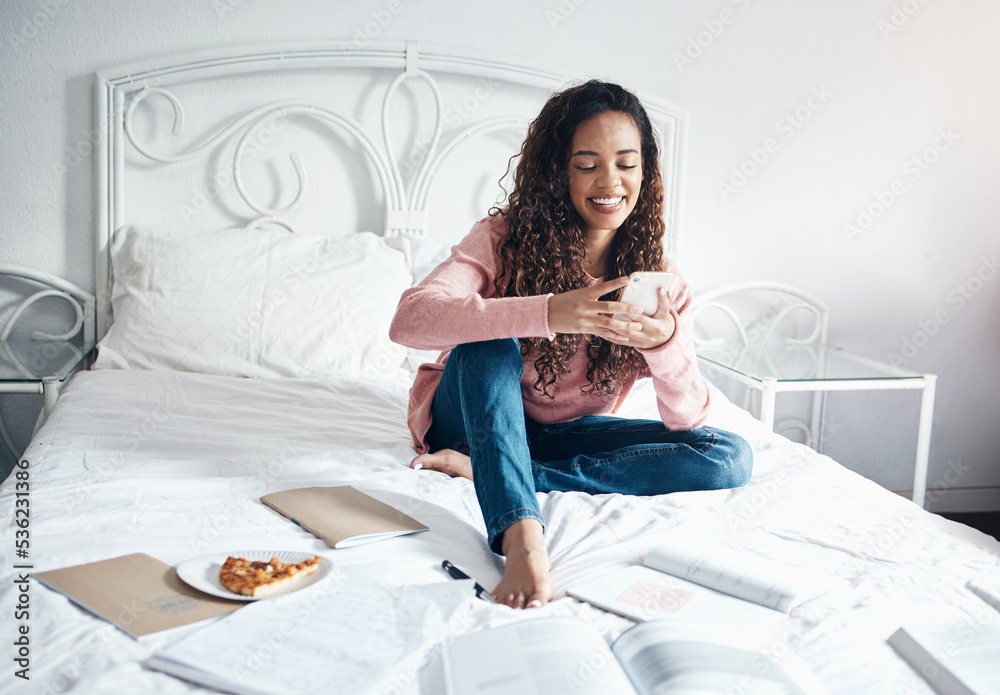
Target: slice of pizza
{"type": "Point", "coordinates": [263, 578]}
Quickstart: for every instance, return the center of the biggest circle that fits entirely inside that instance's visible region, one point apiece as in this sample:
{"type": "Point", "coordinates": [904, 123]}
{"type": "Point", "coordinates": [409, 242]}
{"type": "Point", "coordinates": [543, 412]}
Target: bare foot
{"type": "Point", "coordinates": [449, 461]}
{"type": "Point", "coordinates": [525, 582]}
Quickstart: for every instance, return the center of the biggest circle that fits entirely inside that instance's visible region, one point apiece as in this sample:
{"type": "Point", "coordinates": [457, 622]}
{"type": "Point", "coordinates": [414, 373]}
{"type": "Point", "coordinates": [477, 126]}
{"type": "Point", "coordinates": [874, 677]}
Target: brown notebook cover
{"type": "Point", "coordinates": [138, 593]}
{"type": "Point", "coordinates": [342, 516]}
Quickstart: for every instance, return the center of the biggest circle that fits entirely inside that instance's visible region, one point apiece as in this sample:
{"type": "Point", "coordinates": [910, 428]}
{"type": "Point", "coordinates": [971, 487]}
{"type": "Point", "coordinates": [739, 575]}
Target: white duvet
{"type": "Point", "coordinates": [173, 464]}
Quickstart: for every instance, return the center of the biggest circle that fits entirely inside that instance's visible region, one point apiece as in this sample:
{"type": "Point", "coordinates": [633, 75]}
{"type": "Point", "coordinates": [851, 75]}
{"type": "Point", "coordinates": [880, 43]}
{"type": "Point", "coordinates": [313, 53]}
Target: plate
{"type": "Point", "coordinates": [203, 572]}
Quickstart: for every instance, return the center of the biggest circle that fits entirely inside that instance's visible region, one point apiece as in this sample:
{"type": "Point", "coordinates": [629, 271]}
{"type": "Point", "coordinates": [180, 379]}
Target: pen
{"type": "Point", "coordinates": [459, 574]}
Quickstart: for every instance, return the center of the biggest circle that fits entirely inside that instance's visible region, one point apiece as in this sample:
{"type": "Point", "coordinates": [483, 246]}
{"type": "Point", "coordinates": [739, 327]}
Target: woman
{"type": "Point", "coordinates": [533, 362]}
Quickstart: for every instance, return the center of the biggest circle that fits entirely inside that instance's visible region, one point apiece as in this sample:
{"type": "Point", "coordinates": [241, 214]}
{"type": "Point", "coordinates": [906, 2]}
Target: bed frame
{"type": "Point", "coordinates": [129, 151]}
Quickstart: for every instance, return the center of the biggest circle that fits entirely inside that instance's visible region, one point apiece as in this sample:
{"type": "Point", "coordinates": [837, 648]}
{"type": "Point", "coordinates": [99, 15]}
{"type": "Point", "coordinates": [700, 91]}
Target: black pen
{"type": "Point", "coordinates": [459, 574]}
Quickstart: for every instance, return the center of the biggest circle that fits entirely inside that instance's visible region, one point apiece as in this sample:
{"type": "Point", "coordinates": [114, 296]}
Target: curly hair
{"type": "Point", "coordinates": [544, 248]}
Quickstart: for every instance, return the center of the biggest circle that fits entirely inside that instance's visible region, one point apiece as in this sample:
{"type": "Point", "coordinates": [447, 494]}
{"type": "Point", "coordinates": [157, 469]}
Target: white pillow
{"type": "Point", "coordinates": [254, 303]}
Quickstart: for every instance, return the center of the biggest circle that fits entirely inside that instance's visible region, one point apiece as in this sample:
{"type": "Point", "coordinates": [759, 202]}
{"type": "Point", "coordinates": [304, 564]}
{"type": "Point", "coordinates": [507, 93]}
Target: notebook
{"type": "Point", "coordinates": [137, 592]}
{"type": "Point", "coordinates": [342, 516]}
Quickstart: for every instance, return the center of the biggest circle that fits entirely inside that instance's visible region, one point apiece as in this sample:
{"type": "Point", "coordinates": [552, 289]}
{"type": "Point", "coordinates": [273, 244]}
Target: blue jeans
{"type": "Point", "coordinates": [477, 410]}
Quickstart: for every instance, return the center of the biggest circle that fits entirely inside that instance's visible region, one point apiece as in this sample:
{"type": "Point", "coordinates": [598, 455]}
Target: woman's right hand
{"type": "Point", "coordinates": [581, 311]}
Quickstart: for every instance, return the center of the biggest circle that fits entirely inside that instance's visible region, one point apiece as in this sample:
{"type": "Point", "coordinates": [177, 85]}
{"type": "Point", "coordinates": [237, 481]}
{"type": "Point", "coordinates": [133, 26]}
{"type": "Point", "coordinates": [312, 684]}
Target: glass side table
{"type": "Point", "coordinates": [40, 366]}
{"type": "Point", "coordinates": [41, 363]}
{"type": "Point", "coordinates": [821, 368]}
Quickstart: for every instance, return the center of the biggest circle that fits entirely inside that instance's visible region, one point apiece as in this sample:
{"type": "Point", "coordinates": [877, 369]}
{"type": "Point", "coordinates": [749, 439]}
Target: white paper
{"type": "Point", "coordinates": [641, 593]}
{"type": "Point", "coordinates": [337, 637]}
{"type": "Point", "coordinates": [541, 656]}
{"type": "Point", "coordinates": [745, 575]}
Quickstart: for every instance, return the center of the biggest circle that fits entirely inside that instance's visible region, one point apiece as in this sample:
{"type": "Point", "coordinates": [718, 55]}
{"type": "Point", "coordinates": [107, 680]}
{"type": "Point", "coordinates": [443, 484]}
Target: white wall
{"type": "Point", "coordinates": [870, 85]}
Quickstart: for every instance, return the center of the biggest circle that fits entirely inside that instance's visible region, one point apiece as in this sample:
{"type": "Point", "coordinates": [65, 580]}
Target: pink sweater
{"type": "Point", "coordinates": [458, 303]}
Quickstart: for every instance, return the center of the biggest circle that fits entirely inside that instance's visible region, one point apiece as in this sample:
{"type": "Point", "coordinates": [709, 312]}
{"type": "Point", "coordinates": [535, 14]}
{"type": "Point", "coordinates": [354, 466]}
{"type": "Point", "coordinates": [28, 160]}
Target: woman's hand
{"type": "Point", "coordinates": [656, 329]}
{"type": "Point", "coordinates": [582, 311]}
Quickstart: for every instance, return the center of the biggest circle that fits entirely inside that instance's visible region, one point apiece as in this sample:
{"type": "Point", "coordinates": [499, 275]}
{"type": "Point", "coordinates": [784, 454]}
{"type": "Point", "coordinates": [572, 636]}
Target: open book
{"type": "Point", "coordinates": [744, 574]}
{"type": "Point", "coordinates": [556, 655]}
{"type": "Point", "coordinates": [342, 516]}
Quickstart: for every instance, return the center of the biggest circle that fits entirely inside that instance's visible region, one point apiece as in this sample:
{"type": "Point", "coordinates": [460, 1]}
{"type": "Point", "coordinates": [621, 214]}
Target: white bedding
{"type": "Point", "coordinates": [172, 464]}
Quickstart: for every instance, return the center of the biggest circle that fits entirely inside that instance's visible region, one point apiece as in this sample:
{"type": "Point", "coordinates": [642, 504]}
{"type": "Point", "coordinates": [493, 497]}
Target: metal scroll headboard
{"type": "Point", "coordinates": [121, 91]}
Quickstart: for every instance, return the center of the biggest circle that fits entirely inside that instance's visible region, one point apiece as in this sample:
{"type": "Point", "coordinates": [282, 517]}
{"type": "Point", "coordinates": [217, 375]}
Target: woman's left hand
{"type": "Point", "coordinates": [656, 329]}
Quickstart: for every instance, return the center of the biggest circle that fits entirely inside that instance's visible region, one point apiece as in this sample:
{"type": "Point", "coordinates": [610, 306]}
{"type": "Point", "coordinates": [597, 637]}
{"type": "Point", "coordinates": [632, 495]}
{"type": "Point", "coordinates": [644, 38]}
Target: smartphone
{"type": "Point", "coordinates": [641, 289]}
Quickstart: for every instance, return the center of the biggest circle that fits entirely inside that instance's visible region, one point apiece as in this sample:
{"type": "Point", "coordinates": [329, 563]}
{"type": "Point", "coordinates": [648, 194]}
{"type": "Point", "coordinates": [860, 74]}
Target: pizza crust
{"type": "Point", "coordinates": [263, 578]}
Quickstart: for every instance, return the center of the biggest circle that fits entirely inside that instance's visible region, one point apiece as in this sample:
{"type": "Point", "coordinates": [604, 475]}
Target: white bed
{"type": "Point", "coordinates": [172, 462]}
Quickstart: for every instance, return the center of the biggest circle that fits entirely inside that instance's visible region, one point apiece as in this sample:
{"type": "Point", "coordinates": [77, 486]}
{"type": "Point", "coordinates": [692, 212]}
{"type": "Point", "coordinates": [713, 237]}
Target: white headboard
{"type": "Point", "coordinates": [392, 137]}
